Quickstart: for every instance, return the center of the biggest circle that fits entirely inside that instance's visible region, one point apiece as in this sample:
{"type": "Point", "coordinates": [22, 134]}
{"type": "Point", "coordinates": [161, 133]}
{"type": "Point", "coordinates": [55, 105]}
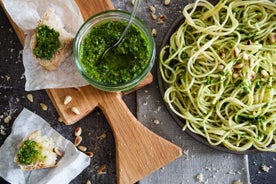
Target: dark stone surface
{"type": "Point", "coordinates": [13, 100]}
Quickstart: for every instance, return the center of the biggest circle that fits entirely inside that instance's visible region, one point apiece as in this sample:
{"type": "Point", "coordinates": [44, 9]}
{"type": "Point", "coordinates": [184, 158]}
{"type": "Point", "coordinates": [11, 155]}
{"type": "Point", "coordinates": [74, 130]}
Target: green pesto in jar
{"type": "Point", "coordinates": [123, 63]}
{"type": "Point", "coordinates": [29, 152]}
{"type": "Point", "coordinates": [48, 42]}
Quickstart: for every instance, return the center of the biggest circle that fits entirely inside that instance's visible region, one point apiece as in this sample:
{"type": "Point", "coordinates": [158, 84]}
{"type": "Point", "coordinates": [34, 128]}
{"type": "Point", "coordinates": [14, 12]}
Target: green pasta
{"type": "Point", "coordinates": [219, 69]}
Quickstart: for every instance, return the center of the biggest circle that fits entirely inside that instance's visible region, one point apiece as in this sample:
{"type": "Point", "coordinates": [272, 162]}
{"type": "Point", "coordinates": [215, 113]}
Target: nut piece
{"type": "Point", "coordinates": [78, 131]}
{"type": "Point", "coordinates": [272, 37]}
{"type": "Point", "coordinates": [167, 2]}
{"type": "Point", "coordinates": [154, 32]}
{"type": "Point", "coordinates": [75, 110]}
{"type": "Point", "coordinates": [43, 106]}
{"type": "Point", "coordinates": [238, 66]}
{"type": "Point", "coordinates": [152, 9]}
{"type": "Point", "coordinates": [78, 140]}
{"type": "Point", "coordinates": [102, 170]}
{"type": "Point", "coordinates": [88, 182]}
{"type": "Point", "coordinates": [89, 153]}
{"type": "Point", "coordinates": [30, 97]}
{"type": "Point", "coordinates": [67, 100]}
{"type": "Point", "coordinates": [82, 148]}
{"type": "Point", "coordinates": [264, 73]}
{"type": "Point", "coordinates": [58, 151]}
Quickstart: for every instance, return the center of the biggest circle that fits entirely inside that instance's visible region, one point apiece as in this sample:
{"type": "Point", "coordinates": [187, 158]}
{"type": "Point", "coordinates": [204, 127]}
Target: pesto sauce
{"type": "Point", "coordinates": [29, 153]}
{"type": "Point", "coordinates": [48, 42]}
{"type": "Point", "coordinates": [122, 63]}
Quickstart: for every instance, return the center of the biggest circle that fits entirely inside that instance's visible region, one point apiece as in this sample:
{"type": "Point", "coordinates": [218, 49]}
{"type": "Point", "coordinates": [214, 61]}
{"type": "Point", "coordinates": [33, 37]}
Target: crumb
{"type": "Point", "coordinates": [157, 122]}
{"type": "Point", "coordinates": [266, 168]}
{"type": "Point", "coordinates": [200, 177]}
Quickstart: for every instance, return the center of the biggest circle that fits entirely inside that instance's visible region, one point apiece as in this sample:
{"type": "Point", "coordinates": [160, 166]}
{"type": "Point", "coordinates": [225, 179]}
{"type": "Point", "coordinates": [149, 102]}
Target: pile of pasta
{"type": "Point", "coordinates": [219, 68]}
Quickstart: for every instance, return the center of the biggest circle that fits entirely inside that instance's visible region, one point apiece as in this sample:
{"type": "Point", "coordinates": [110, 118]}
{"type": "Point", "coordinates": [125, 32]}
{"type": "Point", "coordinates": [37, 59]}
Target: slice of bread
{"type": "Point", "coordinates": [66, 39]}
{"type": "Point", "coordinates": [46, 147]}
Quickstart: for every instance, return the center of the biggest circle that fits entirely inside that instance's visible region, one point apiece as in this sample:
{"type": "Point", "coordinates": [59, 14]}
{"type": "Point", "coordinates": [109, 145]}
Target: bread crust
{"type": "Point", "coordinates": [66, 40]}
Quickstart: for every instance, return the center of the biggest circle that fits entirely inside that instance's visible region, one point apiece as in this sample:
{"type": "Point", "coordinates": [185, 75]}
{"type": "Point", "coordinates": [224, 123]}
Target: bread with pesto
{"type": "Point", "coordinates": [50, 43]}
{"type": "Point", "coordinates": [36, 152]}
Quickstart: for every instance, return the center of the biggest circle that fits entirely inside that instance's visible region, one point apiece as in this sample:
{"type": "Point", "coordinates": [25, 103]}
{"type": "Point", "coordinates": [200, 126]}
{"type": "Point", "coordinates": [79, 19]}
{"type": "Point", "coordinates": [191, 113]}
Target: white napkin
{"type": "Point", "coordinates": [71, 164]}
{"type": "Point", "coordinates": [26, 14]}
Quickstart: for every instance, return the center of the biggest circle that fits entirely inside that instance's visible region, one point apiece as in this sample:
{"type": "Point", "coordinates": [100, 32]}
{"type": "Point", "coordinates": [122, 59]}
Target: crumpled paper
{"type": "Point", "coordinates": [26, 14]}
{"type": "Point", "coordinates": [71, 164]}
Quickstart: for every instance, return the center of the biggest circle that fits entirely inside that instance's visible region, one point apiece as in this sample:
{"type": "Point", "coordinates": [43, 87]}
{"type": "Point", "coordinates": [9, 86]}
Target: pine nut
{"type": "Point", "coordinates": [67, 100]}
{"type": "Point", "coordinates": [78, 140]}
{"type": "Point", "coordinates": [78, 131]}
{"type": "Point", "coordinates": [264, 73]}
{"type": "Point", "coordinates": [43, 106]}
{"type": "Point", "coordinates": [58, 151]}
{"type": "Point", "coordinates": [89, 153]}
{"type": "Point", "coordinates": [238, 66]}
{"type": "Point", "coordinates": [75, 110]}
{"type": "Point", "coordinates": [167, 2]}
{"type": "Point", "coordinates": [30, 97]}
{"type": "Point", "coordinates": [82, 148]}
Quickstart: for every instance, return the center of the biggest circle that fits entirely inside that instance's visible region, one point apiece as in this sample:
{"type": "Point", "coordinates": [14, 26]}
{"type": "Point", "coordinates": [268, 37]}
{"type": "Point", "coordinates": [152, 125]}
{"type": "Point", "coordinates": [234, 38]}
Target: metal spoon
{"type": "Point", "coordinates": [132, 16]}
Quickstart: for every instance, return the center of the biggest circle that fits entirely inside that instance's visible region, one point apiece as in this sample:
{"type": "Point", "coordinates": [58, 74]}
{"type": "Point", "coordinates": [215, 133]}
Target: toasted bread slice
{"type": "Point", "coordinates": [45, 146]}
{"type": "Point", "coordinates": [66, 39]}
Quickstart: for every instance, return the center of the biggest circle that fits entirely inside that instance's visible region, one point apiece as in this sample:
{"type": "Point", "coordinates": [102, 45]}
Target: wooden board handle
{"type": "Point", "coordinates": [139, 151]}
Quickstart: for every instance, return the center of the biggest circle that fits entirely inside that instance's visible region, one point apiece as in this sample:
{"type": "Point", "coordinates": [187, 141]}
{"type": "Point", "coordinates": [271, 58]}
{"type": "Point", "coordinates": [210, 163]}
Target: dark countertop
{"type": "Point", "coordinates": [98, 135]}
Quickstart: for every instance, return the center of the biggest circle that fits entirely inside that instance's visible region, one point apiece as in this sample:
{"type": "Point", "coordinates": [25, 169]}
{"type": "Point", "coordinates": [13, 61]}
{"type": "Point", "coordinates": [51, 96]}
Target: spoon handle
{"type": "Point", "coordinates": [132, 16]}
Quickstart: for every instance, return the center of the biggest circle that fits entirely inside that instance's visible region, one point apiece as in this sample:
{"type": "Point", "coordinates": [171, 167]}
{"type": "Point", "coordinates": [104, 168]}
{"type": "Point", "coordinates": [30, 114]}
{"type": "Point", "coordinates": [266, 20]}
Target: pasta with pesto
{"type": "Point", "coordinates": [219, 68]}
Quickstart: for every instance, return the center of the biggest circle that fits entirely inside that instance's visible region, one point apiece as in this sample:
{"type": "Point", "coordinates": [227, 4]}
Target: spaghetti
{"type": "Point", "coordinates": [220, 67]}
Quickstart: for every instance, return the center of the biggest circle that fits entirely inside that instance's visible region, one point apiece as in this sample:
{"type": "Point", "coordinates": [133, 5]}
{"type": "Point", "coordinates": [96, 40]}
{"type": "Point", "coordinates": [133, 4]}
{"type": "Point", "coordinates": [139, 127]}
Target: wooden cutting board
{"type": "Point", "coordinates": [139, 151]}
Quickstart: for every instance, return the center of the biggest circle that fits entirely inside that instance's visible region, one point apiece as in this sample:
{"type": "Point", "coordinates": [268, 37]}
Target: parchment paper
{"type": "Point", "coordinates": [26, 14]}
{"type": "Point", "coordinates": [72, 163]}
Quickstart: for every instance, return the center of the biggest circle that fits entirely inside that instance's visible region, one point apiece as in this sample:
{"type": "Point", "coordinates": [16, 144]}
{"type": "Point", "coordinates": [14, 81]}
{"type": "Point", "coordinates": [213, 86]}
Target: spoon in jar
{"type": "Point", "coordinates": [132, 16]}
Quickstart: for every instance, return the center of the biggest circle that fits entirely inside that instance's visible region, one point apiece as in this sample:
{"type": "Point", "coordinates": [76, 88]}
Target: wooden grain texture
{"type": "Point", "coordinates": [139, 151]}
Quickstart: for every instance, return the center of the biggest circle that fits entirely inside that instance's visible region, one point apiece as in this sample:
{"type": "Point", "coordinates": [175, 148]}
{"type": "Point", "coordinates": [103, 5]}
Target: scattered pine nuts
{"type": "Point", "coordinates": [78, 131]}
{"type": "Point", "coordinates": [152, 9]}
{"type": "Point", "coordinates": [235, 75]}
{"type": "Point", "coordinates": [272, 37]}
{"type": "Point", "coordinates": [154, 32]}
{"type": "Point", "coordinates": [89, 153]}
{"type": "Point", "coordinates": [167, 2]}
{"type": "Point", "coordinates": [264, 73]}
{"type": "Point", "coordinates": [154, 17]}
{"type": "Point", "coordinates": [60, 119]}
{"type": "Point", "coordinates": [58, 151]}
{"type": "Point", "coordinates": [78, 140]}
{"type": "Point", "coordinates": [82, 148]}
{"type": "Point", "coordinates": [75, 110]}
{"type": "Point", "coordinates": [43, 106]}
{"type": "Point", "coordinates": [67, 100]}
{"type": "Point", "coordinates": [220, 67]}
{"type": "Point", "coordinates": [238, 66]}
{"type": "Point", "coordinates": [30, 97]}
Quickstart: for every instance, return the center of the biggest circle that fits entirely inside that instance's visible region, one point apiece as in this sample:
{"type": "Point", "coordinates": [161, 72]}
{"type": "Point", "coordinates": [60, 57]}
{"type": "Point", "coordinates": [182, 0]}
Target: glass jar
{"type": "Point", "coordinates": [85, 67]}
